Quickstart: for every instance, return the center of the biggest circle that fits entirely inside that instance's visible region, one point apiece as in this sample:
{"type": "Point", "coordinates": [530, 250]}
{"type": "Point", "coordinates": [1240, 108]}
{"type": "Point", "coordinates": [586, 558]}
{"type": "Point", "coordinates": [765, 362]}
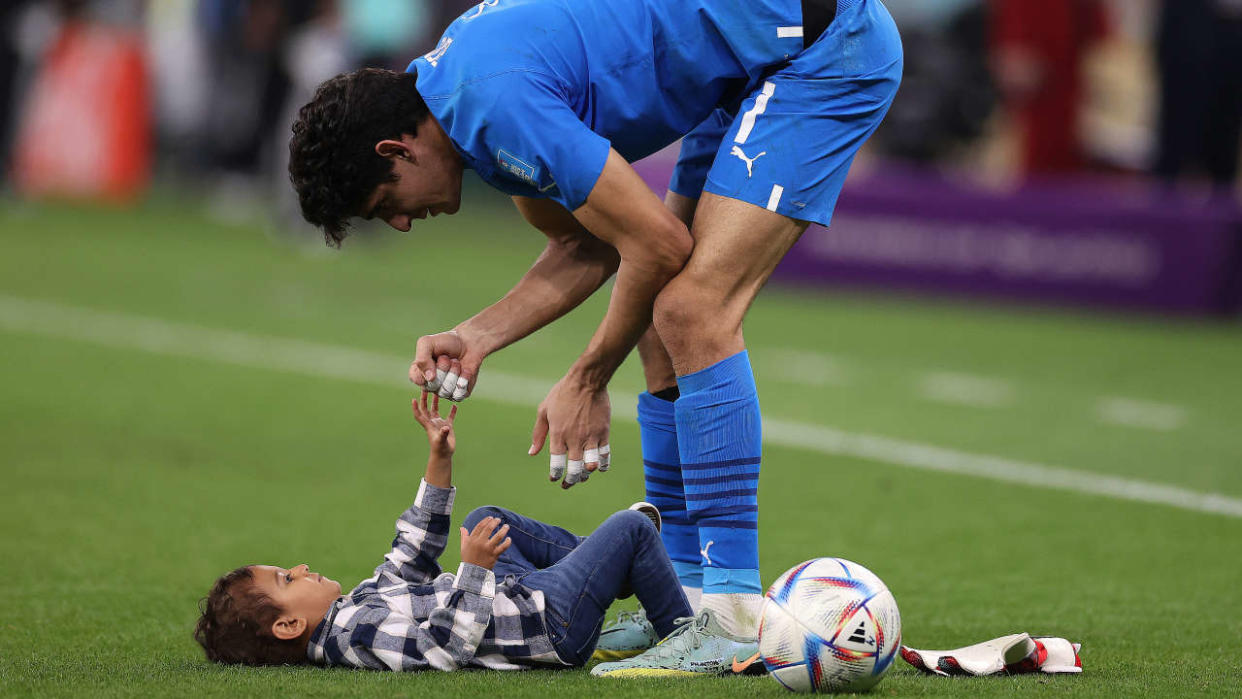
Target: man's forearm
{"type": "Point", "coordinates": [628, 317]}
{"type": "Point", "coordinates": [653, 244]}
{"type": "Point", "coordinates": [567, 272]}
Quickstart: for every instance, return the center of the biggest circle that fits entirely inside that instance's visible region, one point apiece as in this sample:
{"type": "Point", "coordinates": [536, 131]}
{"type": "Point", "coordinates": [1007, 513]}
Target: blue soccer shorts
{"type": "Point", "coordinates": [791, 143]}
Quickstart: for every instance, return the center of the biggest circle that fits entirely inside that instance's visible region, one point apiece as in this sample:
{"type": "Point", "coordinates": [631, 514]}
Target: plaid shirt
{"type": "Point", "coordinates": [411, 616]}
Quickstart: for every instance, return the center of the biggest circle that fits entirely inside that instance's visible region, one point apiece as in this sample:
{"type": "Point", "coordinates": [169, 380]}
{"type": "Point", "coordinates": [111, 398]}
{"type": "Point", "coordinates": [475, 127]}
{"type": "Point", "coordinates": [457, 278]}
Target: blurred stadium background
{"type": "Point", "coordinates": [1007, 379]}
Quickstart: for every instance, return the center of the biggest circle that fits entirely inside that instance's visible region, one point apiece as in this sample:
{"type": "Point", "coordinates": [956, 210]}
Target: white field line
{"type": "Point", "coordinates": [965, 389]}
{"type": "Point", "coordinates": [801, 367]}
{"type": "Point", "coordinates": [126, 331]}
{"type": "Point", "coordinates": [1130, 412]}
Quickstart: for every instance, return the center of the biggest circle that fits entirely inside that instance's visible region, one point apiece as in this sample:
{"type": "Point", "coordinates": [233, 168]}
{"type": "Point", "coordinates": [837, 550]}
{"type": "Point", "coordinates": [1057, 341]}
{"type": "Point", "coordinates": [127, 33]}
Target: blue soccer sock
{"type": "Point", "coordinates": [719, 436]}
{"type": "Point", "coordinates": [662, 475]}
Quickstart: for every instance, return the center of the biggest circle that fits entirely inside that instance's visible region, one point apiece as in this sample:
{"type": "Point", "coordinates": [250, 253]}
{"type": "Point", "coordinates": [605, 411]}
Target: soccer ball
{"type": "Point", "coordinates": [829, 625]}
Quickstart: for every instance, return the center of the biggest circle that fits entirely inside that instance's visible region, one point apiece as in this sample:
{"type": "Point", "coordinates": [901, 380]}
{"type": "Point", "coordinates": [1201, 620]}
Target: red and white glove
{"type": "Point", "coordinates": [1015, 654]}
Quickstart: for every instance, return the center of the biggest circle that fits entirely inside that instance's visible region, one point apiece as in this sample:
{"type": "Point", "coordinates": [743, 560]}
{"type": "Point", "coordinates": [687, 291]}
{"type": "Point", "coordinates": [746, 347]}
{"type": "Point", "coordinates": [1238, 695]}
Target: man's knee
{"type": "Point", "coordinates": [478, 514]}
{"type": "Point", "coordinates": [687, 311]}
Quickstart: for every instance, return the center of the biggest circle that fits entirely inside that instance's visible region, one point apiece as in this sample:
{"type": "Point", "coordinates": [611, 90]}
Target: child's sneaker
{"type": "Point", "coordinates": [699, 647]}
{"type": "Point", "coordinates": [627, 636]}
{"type": "Point", "coordinates": [652, 512]}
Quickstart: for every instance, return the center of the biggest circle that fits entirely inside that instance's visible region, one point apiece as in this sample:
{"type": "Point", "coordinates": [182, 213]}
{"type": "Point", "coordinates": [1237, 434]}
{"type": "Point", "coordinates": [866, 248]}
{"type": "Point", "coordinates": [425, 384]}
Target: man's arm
{"type": "Point", "coordinates": [573, 265]}
{"type": "Point", "coordinates": [654, 245]}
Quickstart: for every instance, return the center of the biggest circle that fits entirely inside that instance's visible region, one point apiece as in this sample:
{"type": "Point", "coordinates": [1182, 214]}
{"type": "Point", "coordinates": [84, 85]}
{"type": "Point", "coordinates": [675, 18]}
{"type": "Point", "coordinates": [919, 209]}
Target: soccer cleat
{"type": "Point", "coordinates": [699, 647]}
{"type": "Point", "coordinates": [627, 636]}
{"type": "Point", "coordinates": [650, 510]}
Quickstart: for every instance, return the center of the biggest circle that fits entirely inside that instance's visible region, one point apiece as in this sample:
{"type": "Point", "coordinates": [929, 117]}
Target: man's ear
{"type": "Point", "coordinates": [389, 148]}
{"type": "Point", "coordinates": [288, 627]}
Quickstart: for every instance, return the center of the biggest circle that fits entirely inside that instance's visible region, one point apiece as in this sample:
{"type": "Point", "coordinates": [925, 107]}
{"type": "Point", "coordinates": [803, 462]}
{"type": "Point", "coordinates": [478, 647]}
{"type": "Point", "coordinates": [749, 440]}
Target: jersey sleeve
{"type": "Point", "coordinates": [536, 145]}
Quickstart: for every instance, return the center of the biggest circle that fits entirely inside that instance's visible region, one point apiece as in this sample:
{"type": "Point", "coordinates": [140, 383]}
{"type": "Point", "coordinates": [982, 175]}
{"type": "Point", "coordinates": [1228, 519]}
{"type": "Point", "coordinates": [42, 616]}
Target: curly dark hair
{"type": "Point", "coordinates": [332, 160]}
{"type": "Point", "coordinates": [235, 626]}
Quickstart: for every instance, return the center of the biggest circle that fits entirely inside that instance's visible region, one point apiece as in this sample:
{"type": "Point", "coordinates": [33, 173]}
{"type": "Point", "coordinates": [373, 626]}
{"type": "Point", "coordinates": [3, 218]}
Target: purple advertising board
{"type": "Point", "coordinates": [1096, 243]}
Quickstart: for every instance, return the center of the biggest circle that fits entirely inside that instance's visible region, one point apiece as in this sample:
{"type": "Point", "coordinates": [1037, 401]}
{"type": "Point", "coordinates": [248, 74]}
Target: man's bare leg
{"type": "Point", "coordinates": [661, 460]}
{"type": "Point", "coordinates": [737, 246]}
{"type": "Point", "coordinates": [657, 365]}
{"type": "Point", "coordinates": [698, 316]}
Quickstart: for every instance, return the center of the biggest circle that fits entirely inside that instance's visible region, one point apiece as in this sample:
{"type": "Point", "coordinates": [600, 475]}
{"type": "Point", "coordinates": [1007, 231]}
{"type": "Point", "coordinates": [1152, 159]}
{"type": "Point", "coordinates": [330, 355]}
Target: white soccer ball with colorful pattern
{"type": "Point", "coordinates": [829, 625]}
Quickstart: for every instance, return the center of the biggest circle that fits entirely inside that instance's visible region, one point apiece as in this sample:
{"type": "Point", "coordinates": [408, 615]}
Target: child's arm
{"type": "Point", "coordinates": [389, 637]}
{"type": "Point", "coordinates": [423, 530]}
{"type": "Point", "coordinates": [440, 440]}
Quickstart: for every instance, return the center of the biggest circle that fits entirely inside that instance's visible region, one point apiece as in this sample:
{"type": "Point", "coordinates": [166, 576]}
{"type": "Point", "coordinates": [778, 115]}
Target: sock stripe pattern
{"type": "Point", "coordinates": [719, 441]}
{"type": "Point", "coordinates": [663, 481]}
{"type": "Point", "coordinates": [666, 495]}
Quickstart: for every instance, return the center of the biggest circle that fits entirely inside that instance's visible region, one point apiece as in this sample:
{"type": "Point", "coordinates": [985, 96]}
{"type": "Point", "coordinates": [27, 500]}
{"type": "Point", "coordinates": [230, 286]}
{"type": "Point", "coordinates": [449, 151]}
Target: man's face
{"type": "Point", "coordinates": [297, 591]}
{"type": "Point", "coordinates": [428, 180]}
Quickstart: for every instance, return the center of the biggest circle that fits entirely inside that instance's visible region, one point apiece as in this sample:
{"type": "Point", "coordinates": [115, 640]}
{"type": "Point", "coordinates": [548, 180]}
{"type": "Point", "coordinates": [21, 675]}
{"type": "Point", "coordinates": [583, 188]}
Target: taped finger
{"type": "Point", "coordinates": [449, 384]}
{"type": "Point", "coordinates": [557, 469]}
{"type": "Point", "coordinates": [591, 456]}
{"type": "Point", "coordinates": [605, 458]}
{"type": "Point", "coordinates": [462, 389]}
{"type": "Point", "coordinates": [434, 384]}
{"type": "Point", "coordinates": [576, 471]}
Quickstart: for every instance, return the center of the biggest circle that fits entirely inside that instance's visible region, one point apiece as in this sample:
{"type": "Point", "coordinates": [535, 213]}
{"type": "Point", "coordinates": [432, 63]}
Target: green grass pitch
{"type": "Point", "coordinates": [152, 436]}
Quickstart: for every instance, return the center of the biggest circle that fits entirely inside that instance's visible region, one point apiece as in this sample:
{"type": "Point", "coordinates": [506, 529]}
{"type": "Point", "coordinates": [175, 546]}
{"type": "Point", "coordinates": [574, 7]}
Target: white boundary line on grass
{"type": "Point", "coordinates": [127, 331]}
{"type": "Point", "coordinates": [1131, 412]}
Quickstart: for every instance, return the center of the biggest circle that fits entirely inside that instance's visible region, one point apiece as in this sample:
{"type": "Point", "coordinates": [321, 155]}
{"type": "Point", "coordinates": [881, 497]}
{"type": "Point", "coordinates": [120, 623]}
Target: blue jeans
{"type": "Point", "coordinates": [581, 576]}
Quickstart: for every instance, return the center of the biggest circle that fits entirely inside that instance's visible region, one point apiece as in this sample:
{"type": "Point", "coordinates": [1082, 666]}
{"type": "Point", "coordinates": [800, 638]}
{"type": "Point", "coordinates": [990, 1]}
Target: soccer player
{"type": "Point", "coordinates": [549, 101]}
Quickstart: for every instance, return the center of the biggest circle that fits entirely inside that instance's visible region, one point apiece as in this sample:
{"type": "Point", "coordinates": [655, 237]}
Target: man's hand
{"type": "Point", "coordinates": [654, 245]}
{"type": "Point", "coordinates": [444, 364]}
{"type": "Point", "coordinates": [483, 546]}
{"type": "Point", "coordinates": [578, 416]}
{"type": "Point", "coordinates": [440, 437]}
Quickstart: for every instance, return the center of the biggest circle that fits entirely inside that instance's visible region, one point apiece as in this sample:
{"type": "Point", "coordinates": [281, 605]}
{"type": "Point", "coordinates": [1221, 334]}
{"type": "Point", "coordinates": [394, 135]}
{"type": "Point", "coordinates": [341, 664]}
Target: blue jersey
{"type": "Point", "coordinates": [534, 92]}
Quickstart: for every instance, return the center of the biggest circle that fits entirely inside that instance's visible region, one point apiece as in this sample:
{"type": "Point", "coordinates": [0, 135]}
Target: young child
{"type": "Point", "coordinates": [546, 610]}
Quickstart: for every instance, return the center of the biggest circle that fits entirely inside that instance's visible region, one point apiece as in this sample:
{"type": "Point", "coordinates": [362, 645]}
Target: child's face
{"type": "Point", "coordinates": [297, 591]}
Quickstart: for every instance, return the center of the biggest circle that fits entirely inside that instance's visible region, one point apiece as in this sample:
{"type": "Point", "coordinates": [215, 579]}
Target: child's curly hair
{"type": "Point", "coordinates": [235, 626]}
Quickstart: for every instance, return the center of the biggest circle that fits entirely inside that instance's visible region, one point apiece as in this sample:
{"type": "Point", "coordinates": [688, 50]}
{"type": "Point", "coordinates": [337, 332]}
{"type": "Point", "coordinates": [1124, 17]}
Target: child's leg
{"type": "Point", "coordinates": [624, 554]}
{"type": "Point", "coordinates": [535, 545]}
{"type": "Point", "coordinates": [662, 475]}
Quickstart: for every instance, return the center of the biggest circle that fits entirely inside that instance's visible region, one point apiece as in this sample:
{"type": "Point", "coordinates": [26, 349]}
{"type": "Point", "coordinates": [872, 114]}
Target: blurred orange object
{"type": "Point", "coordinates": [85, 130]}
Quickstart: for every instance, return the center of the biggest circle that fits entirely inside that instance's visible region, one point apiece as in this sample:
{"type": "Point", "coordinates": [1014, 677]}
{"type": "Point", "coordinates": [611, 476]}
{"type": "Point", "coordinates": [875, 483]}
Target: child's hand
{"type": "Point", "coordinates": [479, 548]}
{"type": "Point", "coordinates": [439, 429]}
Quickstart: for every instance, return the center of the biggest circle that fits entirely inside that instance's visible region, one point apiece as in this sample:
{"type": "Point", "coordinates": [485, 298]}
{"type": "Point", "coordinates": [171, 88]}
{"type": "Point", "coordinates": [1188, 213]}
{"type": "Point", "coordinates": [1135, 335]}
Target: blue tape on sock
{"type": "Point", "coordinates": [689, 574]}
{"type": "Point", "coordinates": [731, 581]}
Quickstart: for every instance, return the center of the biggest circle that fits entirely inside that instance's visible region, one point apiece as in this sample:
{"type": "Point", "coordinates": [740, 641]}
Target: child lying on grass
{"type": "Point", "coordinates": [547, 609]}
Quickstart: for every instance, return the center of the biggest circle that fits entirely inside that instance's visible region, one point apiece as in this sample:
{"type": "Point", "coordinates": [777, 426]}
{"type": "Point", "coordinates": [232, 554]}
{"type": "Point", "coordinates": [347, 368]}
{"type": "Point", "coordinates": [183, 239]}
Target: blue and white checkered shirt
{"type": "Point", "coordinates": [410, 615]}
